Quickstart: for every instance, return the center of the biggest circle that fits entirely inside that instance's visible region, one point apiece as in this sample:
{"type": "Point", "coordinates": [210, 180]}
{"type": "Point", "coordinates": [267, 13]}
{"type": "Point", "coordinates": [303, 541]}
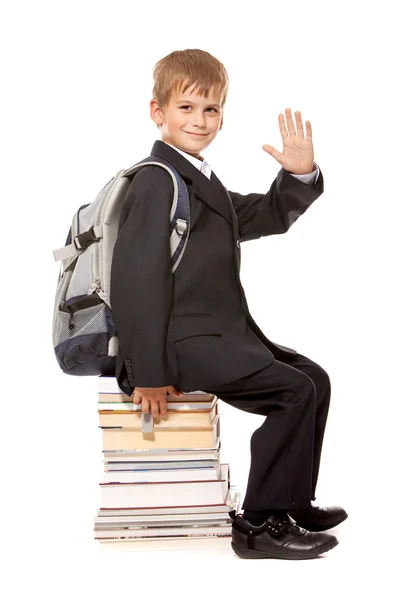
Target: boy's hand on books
{"type": "Point", "coordinates": [298, 153]}
{"type": "Point", "coordinates": [154, 397]}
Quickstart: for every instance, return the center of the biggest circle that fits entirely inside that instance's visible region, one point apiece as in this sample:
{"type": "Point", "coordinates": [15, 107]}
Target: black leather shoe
{"type": "Point", "coordinates": [318, 519]}
{"type": "Point", "coordinates": [277, 537]}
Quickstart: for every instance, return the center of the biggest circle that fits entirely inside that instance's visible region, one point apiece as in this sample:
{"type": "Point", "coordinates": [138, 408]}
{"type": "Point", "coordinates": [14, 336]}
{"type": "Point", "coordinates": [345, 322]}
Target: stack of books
{"type": "Point", "coordinates": [163, 484]}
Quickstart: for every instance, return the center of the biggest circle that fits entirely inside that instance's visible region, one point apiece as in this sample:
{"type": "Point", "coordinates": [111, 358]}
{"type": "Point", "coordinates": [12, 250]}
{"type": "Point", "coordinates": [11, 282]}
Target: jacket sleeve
{"type": "Point", "coordinates": [141, 284]}
{"type": "Point", "coordinates": [275, 212]}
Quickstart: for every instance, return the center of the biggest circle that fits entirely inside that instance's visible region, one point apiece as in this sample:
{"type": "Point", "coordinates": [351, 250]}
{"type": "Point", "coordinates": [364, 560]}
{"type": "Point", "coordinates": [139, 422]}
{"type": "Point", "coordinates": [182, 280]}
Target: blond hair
{"type": "Point", "coordinates": [189, 67]}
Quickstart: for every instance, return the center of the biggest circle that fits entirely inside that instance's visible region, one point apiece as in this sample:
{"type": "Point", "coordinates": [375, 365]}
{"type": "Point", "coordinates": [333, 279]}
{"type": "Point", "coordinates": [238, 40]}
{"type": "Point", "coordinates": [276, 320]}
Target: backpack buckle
{"type": "Point", "coordinates": [180, 227]}
{"type": "Point", "coordinates": [83, 240]}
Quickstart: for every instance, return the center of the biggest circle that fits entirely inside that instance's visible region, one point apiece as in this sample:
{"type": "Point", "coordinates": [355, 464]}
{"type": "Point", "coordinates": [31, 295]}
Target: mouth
{"type": "Point", "coordinates": [197, 134]}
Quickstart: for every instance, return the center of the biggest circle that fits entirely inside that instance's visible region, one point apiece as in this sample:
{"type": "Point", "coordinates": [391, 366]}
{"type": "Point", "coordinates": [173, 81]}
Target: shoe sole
{"type": "Point", "coordinates": [247, 553]}
{"type": "Point", "coordinates": [326, 528]}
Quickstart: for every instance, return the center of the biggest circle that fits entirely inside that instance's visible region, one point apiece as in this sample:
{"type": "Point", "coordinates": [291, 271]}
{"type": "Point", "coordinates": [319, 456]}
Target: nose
{"type": "Point", "coordinates": [198, 120]}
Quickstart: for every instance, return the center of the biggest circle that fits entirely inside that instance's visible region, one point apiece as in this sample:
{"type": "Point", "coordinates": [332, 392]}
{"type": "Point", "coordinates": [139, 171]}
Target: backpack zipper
{"type": "Point", "coordinates": [96, 287]}
{"type": "Point", "coordinates": [71, 323]}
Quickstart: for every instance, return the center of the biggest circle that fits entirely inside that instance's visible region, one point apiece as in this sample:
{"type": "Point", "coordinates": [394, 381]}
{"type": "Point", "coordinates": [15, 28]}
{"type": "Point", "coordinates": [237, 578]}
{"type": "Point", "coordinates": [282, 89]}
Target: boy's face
{"type": "Point", "coordinates": [189, 121]}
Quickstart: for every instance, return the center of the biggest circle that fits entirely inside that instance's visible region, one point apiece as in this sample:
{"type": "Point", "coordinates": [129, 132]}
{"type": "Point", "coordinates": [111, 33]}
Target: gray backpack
{"type": "Point", "coordinates": [84, 335]}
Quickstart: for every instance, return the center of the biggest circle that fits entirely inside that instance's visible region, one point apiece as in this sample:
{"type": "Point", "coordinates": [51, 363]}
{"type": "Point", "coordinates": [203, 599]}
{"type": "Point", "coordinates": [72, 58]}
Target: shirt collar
{"type": "Point", "coordinates": [202, 165]}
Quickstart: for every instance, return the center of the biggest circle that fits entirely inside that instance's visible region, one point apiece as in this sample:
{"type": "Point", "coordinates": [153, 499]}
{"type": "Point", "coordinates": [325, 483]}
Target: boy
{"type": "Point", "coordinates": [193, 330]}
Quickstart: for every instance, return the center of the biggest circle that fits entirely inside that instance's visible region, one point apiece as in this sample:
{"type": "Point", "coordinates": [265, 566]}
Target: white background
{"type": "Point", "coordinates": [77, 81]}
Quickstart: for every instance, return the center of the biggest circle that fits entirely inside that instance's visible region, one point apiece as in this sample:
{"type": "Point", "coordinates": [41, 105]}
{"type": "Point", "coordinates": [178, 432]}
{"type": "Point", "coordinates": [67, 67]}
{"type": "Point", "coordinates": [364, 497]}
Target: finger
{"type": "Point", "coordinates": [154, 408]}
{"type": "Point", "coordinates": [299, 124]}
{"type": "Point", "coordinates": [164, 406]}
{"type": "Point", "coordinates": [145, 405]}
{"type": "Point", "coordinates": [282, 126]}
{"type": "Point", "coordinates": [172, 390]}
{"type": "Point", "coordinates": [273, 152]}
{"type": "Point", "coordinates": [136, 397]}
{"type": "Point", "coordinates": [290, 123]}
{"type": "Point", "coordinates": [309, 132]}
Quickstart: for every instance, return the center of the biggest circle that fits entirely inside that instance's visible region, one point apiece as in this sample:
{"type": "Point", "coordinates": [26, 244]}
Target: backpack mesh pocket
{"type": "Point", "coordinates": [82, 334]}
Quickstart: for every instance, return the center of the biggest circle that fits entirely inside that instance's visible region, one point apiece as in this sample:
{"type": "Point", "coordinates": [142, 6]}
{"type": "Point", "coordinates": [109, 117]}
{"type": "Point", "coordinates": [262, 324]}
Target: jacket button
{"type": "Point", "coordinates": [130, 377]}
{"type": "Point", "coordinates": [129, 369]}
{"type": "Point", "coordinates": [238, 243]}
{"type": "Point", "coordinates": [128, 362]}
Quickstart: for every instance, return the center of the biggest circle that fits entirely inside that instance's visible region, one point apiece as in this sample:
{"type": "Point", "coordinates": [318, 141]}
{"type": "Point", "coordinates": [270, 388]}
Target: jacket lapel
{"type": "Point", "coordinates": [234, 220]}
{"type": "Point", "coordinates": [203, 189]}
{"type": "Point", "coordinates": [223, 191]}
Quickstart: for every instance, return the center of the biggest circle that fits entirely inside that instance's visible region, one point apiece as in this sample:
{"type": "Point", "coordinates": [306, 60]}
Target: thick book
{"type": "Point", "coordinates": [133, 418]}
{"type": "Point", "coordinates": [171, 493]}
{"type": "Point", "coordinates": [172, 437]}
{"type": "Point", "coordinates": [194, 510]}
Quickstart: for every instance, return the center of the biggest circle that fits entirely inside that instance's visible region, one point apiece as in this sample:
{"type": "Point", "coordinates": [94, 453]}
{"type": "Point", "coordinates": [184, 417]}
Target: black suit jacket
{"type": "Point", "coordinates": [193, 329]}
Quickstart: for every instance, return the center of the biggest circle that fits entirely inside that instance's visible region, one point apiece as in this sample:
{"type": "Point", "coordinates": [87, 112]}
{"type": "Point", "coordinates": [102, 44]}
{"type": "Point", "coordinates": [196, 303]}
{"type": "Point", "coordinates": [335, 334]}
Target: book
{"type": "Point", "coordinates": [162, 437]}
{"type": "Point", "coordinates": [177, 474]}
{"type": "Point", "coordinates": [109, 385]}
{"type": "Point", "coordinates": [157, 532]}
{"type": "Point", "coordinates": [194, 510]}
{"type": "Point", "coordinates": [177, 520]}
{"type": "Point", "coordinates": [131, 418]}
{"type": "Point", "coordinates": [116, 401]}
{"type": "Point", "coordinates": [148, 494]}
{"type": "Point", "coordinates": [163, 454]}
{"type": "Point", "coordinates": [111, 466]}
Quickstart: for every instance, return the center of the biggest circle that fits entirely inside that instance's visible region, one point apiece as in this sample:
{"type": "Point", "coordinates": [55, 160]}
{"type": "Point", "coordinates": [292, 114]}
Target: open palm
{"type": "Point", "coordinates": [298, 152]}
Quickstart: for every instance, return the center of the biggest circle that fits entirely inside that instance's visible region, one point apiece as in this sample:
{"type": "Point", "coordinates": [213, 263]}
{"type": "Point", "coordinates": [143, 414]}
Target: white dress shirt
{"type": "Point", "coordinates": [205, 168]}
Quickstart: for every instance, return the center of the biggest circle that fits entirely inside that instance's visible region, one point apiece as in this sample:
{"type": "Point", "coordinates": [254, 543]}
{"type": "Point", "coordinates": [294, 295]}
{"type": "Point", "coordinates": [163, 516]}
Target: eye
{"type": "Point", "coordinates": [210, 108]}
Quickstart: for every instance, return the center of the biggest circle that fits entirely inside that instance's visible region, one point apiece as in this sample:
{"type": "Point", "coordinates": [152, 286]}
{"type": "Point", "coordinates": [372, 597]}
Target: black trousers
{"type": "Point", "coordinates": [294, 395]}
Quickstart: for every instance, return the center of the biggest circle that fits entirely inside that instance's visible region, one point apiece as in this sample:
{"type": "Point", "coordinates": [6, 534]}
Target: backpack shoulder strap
{"type": "Point", "coordinates": [180, 208]}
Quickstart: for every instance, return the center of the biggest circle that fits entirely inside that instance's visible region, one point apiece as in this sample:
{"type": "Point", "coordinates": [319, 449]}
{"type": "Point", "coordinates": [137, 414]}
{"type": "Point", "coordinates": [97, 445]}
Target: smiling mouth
{"type": "Point", "coordinates": [197, 134]}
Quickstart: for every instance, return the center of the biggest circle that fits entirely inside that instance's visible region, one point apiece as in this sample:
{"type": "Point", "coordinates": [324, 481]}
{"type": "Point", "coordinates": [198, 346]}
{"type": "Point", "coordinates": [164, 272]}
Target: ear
{"type": "Point", "coordinates": [156, 112]}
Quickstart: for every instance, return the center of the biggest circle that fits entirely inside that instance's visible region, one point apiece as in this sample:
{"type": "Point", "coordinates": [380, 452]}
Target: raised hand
{"type": "Point", "coordinates": [298, 152]}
